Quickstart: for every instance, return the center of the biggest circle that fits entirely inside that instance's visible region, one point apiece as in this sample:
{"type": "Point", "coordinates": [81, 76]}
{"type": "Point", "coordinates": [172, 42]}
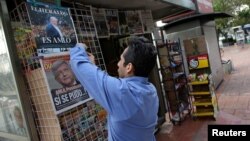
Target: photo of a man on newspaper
{"type": "Point", "coordinates": [66, 91]}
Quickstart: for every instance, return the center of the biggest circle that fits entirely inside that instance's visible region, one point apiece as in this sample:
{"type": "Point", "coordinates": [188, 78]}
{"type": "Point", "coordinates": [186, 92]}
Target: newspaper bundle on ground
{"type": "Point", "coordinates": [51, 26]}
{"type": "Point", "coordinates": [66, 90]}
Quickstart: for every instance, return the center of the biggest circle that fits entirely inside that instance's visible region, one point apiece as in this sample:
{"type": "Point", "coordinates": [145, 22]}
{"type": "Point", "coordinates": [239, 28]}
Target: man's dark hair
{"type": "Point", "coordinates": [142, 54]}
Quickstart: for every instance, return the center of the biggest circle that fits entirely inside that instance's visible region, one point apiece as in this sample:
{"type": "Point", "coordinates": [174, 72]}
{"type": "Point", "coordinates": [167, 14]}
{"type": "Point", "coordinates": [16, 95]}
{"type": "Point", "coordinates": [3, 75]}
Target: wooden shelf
{"type": "Point", "coordinates": [177, 75]}
{"type": "Point", "coordinates": [198, 82]}
{"type": "Point", "coordinates": [176, 65]}
{"type": "Point", "coordinates": [197, 103]}
{"type": "Point", "coordinates": [199, 93]}
{"type": "Point", "coordinates": [199, 68]}
{"type": "Point", "coordinates": [179, 85]}
{"type": "Point", "coordinates": [203, 113]}
{"type": "Point", "coordinates": [174, 80]}
{"type": "Point", "coordinates": [175, 53]}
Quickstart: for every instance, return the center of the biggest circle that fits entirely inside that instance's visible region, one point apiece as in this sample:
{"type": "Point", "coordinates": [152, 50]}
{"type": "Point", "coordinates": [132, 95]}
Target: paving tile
{"type": "Point", "coordinates": [245, 93]}
{"type": "Point", "coordinates": [243, 114]}
{"type": "Point", "coordinates": [229, 111]}
{"type": "Point", "coordinates": [221, 101]}
{"type": "Point", "coordinates": [230, 102]}
{"type": "Point", "coordinates": [242, 102]}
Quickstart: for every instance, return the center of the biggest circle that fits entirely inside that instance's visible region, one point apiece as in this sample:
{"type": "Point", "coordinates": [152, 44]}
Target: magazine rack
{"type": "Point", "coordinates": [200, 81]}
{"type": "Point", "coordinates": [201, 87]}
{"type": "Point", "coordinates": [174, 80]}
{"type": "Point", "coordinates": [84, 122]}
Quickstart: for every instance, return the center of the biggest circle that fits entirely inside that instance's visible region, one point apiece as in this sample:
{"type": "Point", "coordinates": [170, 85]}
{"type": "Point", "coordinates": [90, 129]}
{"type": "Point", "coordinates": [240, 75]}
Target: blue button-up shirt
{"type": "Point", "coordinates": [132, 102]}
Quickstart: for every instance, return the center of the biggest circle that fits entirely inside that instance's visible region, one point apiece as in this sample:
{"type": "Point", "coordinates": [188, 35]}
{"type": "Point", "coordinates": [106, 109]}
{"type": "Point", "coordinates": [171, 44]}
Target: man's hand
{"type": "Point", "coordinates": [82, 45]}
{"type": "Point", "coordinates": [91, 57]}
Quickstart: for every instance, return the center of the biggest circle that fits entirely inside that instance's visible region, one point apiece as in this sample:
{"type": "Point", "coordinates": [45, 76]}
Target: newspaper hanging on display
{"type": "Point", "coordinates": [112, 21]}
{"type": "Point", "coordinates": [134, 22]}
{"type": "Point", "coordinates": [87, 122]}
{"type": "Point", "coordinates": [147, 21]}
{"type": "Point", "coordinates": [51, 26]}
{"type": "Point", "coordinates": [66, 91]}
{"type": "Point", "coordinates": [100, 22]}
{"type": "Point", "coordinates": [123, 23]}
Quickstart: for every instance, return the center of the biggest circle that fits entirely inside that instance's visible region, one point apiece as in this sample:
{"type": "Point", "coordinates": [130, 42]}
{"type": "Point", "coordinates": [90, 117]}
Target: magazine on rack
{"type": "Point", "coordinates": [134, 22]}
{"type": "Point", "coordinates": [100, 22]}
{"type": "Point", "coordinates": [123, 23]}
{"type": "Point", "coordinates": [51, 26]}
{"type": "Point", "coordinates": [66, 91]}
{"type": "Point", "coordinates": [147, 21]}
{"type": "Point", "coordinates": [86, 122]}
{"type": "Point", "coordinates": [112, 21]}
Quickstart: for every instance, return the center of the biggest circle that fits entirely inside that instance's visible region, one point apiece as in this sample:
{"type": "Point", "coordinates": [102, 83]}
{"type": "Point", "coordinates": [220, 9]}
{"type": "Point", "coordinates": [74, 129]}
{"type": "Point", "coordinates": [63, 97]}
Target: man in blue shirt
{"type": "Point", "coordinates": [130, 100]}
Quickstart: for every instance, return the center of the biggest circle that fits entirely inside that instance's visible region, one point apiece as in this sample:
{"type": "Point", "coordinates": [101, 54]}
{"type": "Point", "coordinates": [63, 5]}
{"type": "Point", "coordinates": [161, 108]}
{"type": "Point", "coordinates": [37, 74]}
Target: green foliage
{"type": "Point", "coordinates": [222, 23]}
{"type": "Point", "coordinates": [242, 18]}
{"type": "Point", "coordinates": [230, 6]}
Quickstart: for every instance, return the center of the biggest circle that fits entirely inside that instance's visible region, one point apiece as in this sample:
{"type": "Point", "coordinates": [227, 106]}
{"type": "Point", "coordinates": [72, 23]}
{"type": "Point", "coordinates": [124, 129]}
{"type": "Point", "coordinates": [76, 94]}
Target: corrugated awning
{"type": "Point", "coordinates": [205, 16]}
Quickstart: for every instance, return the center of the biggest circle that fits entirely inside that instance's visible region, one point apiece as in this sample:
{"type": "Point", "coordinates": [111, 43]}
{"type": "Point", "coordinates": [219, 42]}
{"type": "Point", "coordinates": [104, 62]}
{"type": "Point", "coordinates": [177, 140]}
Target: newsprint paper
{"type": "Point", "coordinates": [66, 92]}
{"type": "Point", "coordinates": [51, 26]}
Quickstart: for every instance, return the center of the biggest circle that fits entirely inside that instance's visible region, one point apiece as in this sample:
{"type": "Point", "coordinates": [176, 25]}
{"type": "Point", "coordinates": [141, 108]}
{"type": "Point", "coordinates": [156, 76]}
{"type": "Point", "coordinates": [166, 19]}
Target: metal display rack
{"type": "Point", "coordinates": [174, 81]}
{"type": "Point", "coordinates": [204, 101]}
{"type": "Point", "coordinates": [201, 84]}
{"type": "Point", "coordinates": [84, 122]}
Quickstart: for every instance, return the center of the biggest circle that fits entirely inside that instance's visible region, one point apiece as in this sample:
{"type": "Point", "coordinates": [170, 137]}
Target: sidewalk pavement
{"type": "Point", "coordinates": [233, 99]}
